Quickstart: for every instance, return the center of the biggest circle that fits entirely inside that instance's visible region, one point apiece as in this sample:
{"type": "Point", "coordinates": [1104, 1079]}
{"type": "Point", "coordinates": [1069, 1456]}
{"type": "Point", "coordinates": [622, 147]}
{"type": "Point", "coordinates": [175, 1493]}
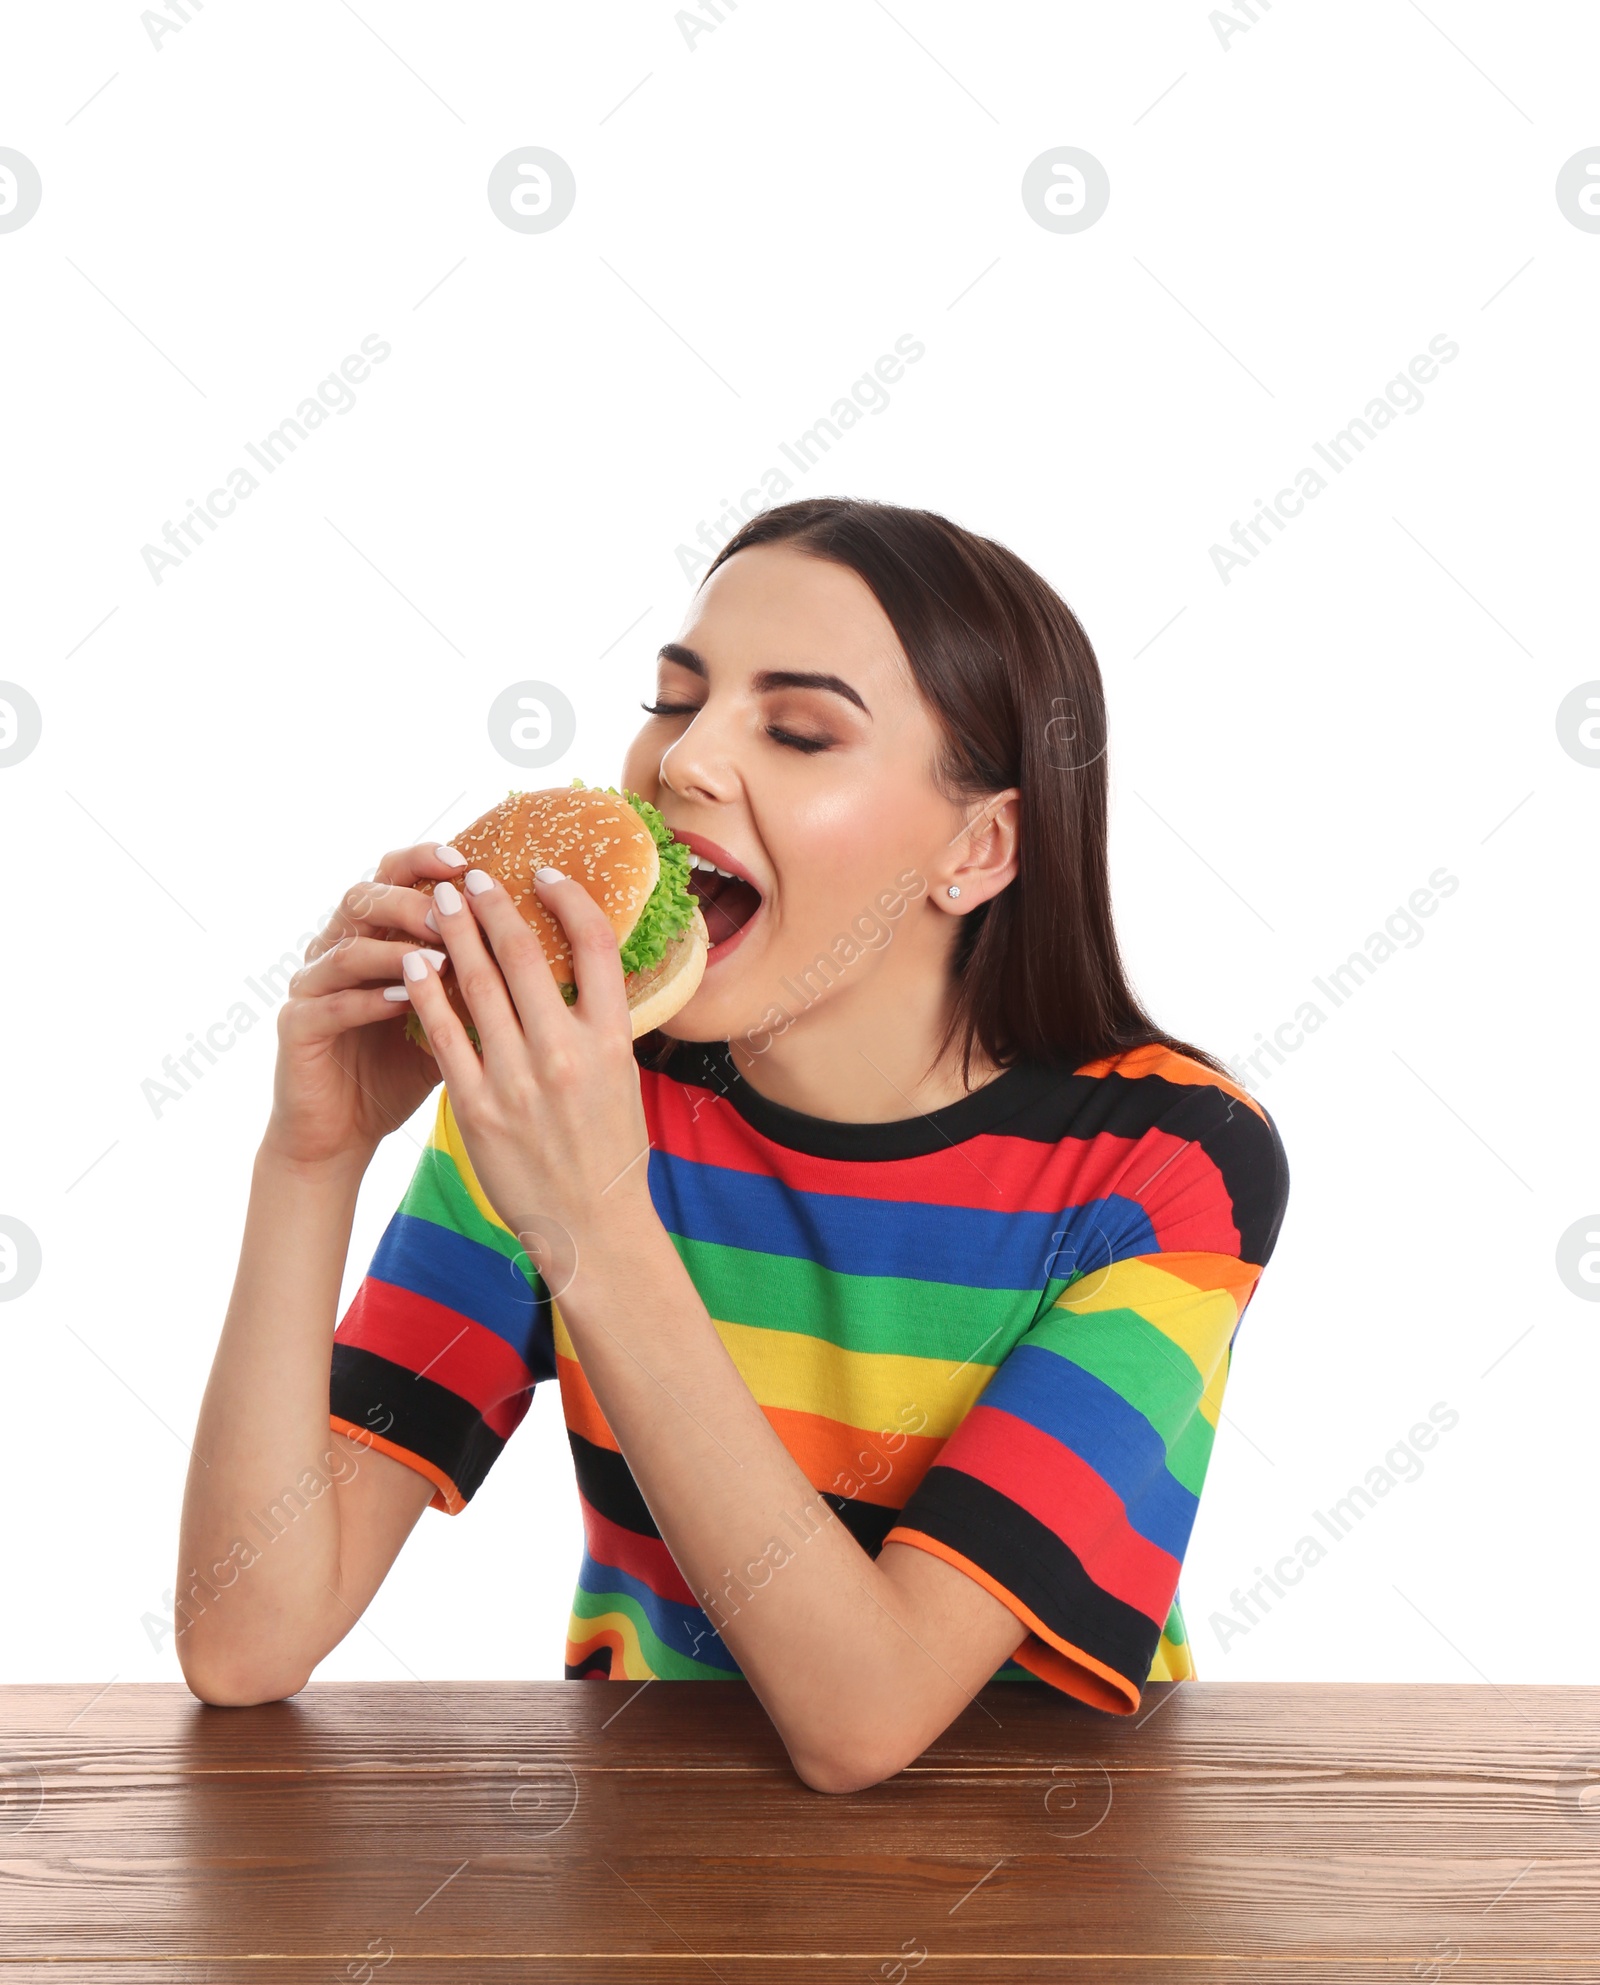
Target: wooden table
{"type": "Point", "coordinates": [571, 1831]}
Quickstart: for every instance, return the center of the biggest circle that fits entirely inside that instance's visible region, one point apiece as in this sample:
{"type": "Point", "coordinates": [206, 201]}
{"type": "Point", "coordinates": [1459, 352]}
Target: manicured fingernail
{"type": "Point", "coordinates": [439, 958]}
{"type": "Point", "coordinates": [430, 922]}
{"type": "Point", "coordinates": [477, 882]}
{"type": "Point", "coordinates": [414, 965]}
{"type": "Point", "coordinates": [395, 992]}
{"type": "Point", "coordinates": [448, 898]}
{"type": "Point", "coordinates": [548, 875]}
{"type": "Point", "coordinates": [453, 856]}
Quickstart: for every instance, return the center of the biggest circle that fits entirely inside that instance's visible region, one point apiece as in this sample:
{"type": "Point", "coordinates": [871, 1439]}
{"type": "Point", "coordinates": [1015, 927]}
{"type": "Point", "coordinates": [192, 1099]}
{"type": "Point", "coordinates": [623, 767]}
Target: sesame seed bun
{"type": "Point", "coordinates": [602, 843]}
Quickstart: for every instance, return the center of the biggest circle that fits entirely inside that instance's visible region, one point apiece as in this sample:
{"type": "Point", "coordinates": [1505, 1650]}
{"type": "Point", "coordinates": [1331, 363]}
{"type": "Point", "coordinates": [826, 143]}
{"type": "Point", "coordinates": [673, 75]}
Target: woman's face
{"type": "Point", "coordinates": [792, 747]}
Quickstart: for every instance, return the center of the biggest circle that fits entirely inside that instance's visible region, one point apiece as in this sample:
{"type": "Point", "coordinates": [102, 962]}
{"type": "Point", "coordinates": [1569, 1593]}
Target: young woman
{"type": "Point", "coordinates": [890, 1288]}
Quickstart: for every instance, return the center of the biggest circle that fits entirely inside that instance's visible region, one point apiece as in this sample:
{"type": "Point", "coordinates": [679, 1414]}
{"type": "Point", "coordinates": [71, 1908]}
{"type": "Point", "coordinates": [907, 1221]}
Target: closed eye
{"type": "Point", "coordinates": [778, 735]}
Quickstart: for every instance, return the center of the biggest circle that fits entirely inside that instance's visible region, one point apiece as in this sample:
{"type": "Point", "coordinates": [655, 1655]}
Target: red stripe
{"type": "Point", "coordinates": [644, 1558]}
{"type": "Point", "coordinates": [1050, 1482]}
{"type": "Point", "coordinates": [414, 1331]}
{"type": "Point", "coordinates": [1031, 1177]}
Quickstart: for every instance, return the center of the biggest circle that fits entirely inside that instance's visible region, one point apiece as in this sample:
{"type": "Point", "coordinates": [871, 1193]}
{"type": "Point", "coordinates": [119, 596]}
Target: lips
{"type": "Point", "coordinates": [728, 898]}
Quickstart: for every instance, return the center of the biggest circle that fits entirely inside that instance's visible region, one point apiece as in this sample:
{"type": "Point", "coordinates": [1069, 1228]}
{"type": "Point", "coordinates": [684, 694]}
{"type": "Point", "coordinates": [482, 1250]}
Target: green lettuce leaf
{"type": "Point", "coordinates": [670, 909]}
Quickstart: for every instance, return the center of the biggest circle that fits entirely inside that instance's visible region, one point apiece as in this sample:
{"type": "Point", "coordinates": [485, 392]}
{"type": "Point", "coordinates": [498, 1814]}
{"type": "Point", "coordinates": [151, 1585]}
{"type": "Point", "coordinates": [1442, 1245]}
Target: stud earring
{"type": "Point", "coordinates": [954, 889]}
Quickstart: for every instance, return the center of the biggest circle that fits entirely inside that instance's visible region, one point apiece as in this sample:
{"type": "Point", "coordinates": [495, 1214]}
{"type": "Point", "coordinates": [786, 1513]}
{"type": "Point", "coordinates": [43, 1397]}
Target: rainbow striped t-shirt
{"type": "Point", "coordinates": [999, 1332]}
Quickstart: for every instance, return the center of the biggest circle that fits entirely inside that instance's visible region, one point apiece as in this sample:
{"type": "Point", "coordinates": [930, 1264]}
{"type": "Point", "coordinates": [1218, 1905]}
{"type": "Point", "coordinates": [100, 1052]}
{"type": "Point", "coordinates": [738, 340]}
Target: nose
{"type": "Point", "coordinates": [699, 765]}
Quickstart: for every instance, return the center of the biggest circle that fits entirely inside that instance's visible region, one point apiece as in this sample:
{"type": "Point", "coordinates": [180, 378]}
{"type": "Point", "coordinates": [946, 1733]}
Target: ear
{"type": "Point", "coordinates": [982, 857]}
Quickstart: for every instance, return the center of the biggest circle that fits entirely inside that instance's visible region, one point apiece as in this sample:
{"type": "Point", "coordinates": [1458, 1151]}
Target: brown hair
{"type": "Point", "coordinates": [1009, 674]}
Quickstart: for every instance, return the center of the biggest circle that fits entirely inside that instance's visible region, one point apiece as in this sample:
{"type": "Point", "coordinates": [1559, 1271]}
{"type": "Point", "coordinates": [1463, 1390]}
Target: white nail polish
{"type": "Point", "coordinates": [476, 882]}
{"type": "Point", "coordinates": [414, 965]}
{"type": "Point", "coordinates": [439, 957]}
{"type": "Point", "coordinates": [431, 921]}
{"type": "Point", "coordinates": [451, 855]}
{"type": "Point", "coordinates": [447, 897]}
{"type": "Point", "coordinates": [548, 875]}
{"type": "Point", "coordinates": [395, 992]}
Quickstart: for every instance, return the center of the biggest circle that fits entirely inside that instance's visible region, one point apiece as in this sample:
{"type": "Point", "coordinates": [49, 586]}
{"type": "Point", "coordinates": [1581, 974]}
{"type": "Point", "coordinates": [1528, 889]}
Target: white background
{"type": "Point", "coordinates": [759, 216]}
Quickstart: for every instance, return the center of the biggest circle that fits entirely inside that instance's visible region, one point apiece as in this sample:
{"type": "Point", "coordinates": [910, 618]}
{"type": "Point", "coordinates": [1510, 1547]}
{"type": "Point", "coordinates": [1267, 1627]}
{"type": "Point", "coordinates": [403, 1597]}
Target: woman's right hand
{"type": "Point", "coordinates": [346, 1073]}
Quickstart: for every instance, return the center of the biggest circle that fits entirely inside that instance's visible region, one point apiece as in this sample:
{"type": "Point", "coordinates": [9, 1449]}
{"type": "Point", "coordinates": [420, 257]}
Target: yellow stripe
{"type": "Point", "coordinates": [581, 1632]}
{"type": "Point", "coordinates": [1200, 1322]}
{"type": "Point", "coordinates": [446, 1137]}
{"type": "Point", "coordinates": [866, 1389]}
{"type": "Point", "coordinates": [1172, 1663]}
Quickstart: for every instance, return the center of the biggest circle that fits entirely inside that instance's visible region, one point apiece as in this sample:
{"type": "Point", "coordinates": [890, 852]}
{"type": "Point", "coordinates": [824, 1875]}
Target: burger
{"type": "Point", "coordinates": [620, 850]}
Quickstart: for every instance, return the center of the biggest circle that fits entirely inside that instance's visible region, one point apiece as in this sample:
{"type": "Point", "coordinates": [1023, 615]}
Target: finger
{"type": "Point", "coordinates": [519, 954]}
{"type": "Point", "coordinates": [447, 1038]}
{"type": "Point", "coordinates": [596, 955]}
{"type": "Point", "coordinates": [355, 961]}
{"type": "Point", "coordinates": [478, 978]}
{"type": "Point", "coordinates": [301, 1021]}
{"type": "Point", "coordinates": [389, 900]}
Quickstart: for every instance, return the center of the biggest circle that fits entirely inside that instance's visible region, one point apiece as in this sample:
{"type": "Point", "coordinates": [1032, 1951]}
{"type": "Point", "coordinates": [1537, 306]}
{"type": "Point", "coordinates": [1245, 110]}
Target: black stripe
{"type": "Point", "coordinates": [1044, 1106]}
{"type": "Point", "coordinates": [606, 1483]}
{"type": "Point", "coordinates": [597, 1663]}
{"type": "Point", "coordinates": [414, 1413]}
{"type": "Point", "coordinates": [1030, 1560]}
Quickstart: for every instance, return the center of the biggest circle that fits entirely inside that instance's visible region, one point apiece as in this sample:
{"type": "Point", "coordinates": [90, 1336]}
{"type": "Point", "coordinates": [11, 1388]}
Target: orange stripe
{"type": "Point", "coordinates": [1154, 1059]}
{"type": "Point", "coordinates": [580, 1650]}
{"type": "Point", "coordinates": [1056, 1661]}
{"type": "Point", "coordinates": [827, 1449]}
{"type": "Point", "coordinates": [446, 1495]}
{"type": "Point", "coordinates": [579, 1406]}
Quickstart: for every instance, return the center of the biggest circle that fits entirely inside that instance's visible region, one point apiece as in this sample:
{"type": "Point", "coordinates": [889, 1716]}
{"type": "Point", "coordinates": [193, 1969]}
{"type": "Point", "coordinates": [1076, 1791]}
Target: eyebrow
{"type": "Point", "coordinates": [765, 679]}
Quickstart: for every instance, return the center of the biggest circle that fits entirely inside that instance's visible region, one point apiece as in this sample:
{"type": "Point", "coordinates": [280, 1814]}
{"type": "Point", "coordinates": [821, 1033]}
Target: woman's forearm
{"type": "Point", "coordinates": [259, 1543]}
{"type": "Point", "coordinates": [828, 1641]}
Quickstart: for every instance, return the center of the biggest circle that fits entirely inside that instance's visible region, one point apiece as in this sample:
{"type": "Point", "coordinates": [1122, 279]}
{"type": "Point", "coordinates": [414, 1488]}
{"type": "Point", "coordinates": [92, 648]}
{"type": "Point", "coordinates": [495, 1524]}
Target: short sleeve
{"type": "Point", "coordinates": [436, 1358]}
{"type": "Point", "coordinates": [1070, 1487]}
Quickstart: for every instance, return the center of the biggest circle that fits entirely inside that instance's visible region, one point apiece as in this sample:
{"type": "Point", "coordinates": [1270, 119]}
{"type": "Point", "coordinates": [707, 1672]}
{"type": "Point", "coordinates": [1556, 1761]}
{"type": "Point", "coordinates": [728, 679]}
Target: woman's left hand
{"type": "Point", "coordinates": [551, 1115]}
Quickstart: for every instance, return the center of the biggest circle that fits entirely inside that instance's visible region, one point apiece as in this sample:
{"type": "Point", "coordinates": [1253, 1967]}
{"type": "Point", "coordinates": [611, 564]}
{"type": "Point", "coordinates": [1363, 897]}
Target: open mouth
{"type": "Point", "coordinates": [727, 902]}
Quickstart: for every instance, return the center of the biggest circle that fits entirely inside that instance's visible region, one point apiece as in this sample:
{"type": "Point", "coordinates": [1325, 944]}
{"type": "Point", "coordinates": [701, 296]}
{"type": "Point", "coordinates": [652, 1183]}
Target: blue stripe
{"type": "Point", "coordinates": [1098, 1425]}
{"type": "Point", "coordinates": [685, 1629]}
{"type": "Point", "coordinates": [968, 1246]}
{"type": "Point", "coordinates": [474, 1280]}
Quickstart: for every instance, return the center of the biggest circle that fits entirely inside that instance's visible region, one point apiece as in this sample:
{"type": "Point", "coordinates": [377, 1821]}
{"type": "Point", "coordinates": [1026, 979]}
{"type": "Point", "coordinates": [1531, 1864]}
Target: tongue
{"type": "Point", "coordinates": [726, 902]}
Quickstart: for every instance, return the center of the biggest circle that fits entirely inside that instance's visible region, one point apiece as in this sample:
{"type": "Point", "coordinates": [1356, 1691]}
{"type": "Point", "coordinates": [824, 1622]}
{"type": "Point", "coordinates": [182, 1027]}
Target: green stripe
{"type": "Point", "coordinates": [664, 1661]}
{"type": "Point", "coordinates": [1143, 1366]}
{"type": "Point", "coordinates": [1174, 1630]}
{"type": "Point", "coordinates": [438, 1193]}
{"type": "Point", "coordinates": [887, 1314]}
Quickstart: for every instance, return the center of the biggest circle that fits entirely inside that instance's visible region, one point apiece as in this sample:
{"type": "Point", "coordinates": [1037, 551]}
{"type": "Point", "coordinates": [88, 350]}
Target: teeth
{"type": "Point", "coordinates": [700, 861]}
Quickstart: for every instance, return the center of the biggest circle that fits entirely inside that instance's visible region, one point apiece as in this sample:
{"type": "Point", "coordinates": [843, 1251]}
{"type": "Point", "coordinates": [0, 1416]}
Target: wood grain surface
{"type": "Point", "coordinates": [592, 1831]}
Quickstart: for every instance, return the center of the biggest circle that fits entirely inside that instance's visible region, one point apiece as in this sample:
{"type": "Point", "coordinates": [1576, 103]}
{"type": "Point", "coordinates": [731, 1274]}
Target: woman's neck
{"type": "Point", "coordinates": [856, 1062]}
